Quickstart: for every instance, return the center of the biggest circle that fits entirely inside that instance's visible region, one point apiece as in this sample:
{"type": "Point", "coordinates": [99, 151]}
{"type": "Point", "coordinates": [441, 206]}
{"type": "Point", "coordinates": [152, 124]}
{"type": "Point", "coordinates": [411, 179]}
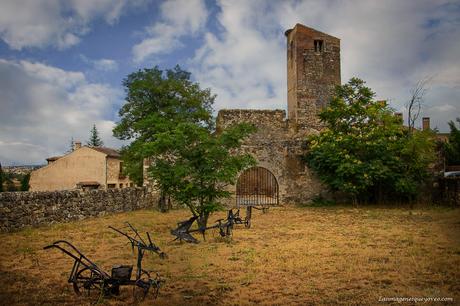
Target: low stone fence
{"type": "Point", "coordinates": [20, 209]}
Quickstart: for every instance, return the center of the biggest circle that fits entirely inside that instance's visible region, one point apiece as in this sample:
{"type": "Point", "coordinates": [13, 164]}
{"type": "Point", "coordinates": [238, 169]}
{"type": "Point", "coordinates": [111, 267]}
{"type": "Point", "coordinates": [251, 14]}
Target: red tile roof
{"type": "Point", "coordinates": [53, 158]}
{"type": "Point", "coordinates": [110, 152]}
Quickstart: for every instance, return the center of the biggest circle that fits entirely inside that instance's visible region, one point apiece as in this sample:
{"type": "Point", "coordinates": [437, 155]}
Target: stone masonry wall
{"type": "Point", "coordinates": [20, 209]}
{"type": "Point", "coordinates": [277, 148]}
{"type": "Point", "coordinates": [312, 72]}
{"type": "Point", "coordinates": [266, 120]}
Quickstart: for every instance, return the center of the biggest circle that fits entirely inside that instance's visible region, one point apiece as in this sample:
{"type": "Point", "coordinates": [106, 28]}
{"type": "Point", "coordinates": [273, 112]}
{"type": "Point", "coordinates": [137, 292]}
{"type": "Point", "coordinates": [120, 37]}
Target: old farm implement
{"type": "Point", "coordinates": [87, 276]}
{"type": "Point", "coordinates": [183, 232]}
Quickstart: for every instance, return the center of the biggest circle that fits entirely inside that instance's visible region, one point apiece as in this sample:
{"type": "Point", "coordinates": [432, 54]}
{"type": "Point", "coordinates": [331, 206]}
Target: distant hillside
{"type": "Point", "coordinates": [20, 170]}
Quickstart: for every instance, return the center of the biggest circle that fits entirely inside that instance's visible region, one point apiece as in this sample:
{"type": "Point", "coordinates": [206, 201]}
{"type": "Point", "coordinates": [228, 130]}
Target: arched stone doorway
{"type": "Point", "coordinates": [257, 186]}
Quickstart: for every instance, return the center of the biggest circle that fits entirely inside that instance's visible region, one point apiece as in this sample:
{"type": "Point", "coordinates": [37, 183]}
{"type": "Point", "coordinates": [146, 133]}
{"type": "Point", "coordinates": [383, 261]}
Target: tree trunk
{"type": "Point", "coordinates": [169, 203]}
{"type": "Point", "coordinates": [163, 205]}
{"type": "Point", "coordinates": [202, 223]}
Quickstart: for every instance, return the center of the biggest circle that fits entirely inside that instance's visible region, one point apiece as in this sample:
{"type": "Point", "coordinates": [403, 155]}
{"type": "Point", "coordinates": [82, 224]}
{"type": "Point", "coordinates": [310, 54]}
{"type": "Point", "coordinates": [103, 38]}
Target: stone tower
{"type": "Point", "coordinates": [313, 70]}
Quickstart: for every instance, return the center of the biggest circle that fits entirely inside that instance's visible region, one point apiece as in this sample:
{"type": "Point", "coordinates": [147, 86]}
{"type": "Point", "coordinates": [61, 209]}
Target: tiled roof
{"type": "Point", "coordinates": [110, 152]}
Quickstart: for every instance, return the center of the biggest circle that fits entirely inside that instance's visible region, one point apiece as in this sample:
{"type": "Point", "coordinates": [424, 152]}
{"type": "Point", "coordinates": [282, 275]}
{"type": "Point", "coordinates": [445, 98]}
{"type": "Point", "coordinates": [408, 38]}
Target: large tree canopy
{"type": "Point", "coordinates": [158, 100]}
{"type": "Point", "coordinates": [365, 151]}
{"type": "Point", "coordinates": [168, 119]}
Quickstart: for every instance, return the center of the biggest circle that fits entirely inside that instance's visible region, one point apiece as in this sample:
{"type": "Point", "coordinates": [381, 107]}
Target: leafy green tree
{"type": "Point", "coordinates": [9, 178]}
{"type": "Point", "coordinates": [156, 101]}
{"type": "Point", "coordinates": [452, 147]}
{"type": "Point", "coordinates": [133, 162]}
{"type": "Point", "coordinates": [364, 151]}
{"type": "Point", "coordinates": [25, 182]}
{"type": "Point", "coordinates": [168, 119]}
{"type": "Point", "coordinates": [1, 178]}
{"type": "Point", "coordinates": [94, 139]}
{"type": "Point", "coordinates": [194, 165]}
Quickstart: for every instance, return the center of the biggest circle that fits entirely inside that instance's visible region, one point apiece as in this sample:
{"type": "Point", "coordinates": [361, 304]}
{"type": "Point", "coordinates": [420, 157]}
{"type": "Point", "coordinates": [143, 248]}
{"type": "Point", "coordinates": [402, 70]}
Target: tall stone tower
{"type": "Point", "coordinates": [313, 70]}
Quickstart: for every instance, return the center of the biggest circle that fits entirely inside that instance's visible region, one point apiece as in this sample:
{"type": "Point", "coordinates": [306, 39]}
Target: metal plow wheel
{"type": "Point", "coordinates": [92, 284]}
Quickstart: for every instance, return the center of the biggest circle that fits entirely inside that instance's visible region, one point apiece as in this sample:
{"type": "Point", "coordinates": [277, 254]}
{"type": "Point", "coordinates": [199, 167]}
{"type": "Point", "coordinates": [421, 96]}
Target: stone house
{"type": "Point", "coordinates": [84, 168]}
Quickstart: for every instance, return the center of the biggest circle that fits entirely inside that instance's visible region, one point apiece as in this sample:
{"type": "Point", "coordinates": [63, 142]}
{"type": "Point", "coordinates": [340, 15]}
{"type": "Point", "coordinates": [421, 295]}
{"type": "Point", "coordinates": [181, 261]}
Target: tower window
{"type": "Point", "coordinates": [319, 45]}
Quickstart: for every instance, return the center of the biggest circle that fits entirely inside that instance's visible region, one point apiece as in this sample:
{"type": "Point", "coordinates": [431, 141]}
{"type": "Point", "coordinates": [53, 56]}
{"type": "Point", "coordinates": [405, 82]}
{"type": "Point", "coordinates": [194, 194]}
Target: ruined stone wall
{"type": "Point", "coordinates": [278, 149]}
{"type": "Point", "coordinates": [20, 209]}
{"type": "Point", "coordinates": [266, 120]}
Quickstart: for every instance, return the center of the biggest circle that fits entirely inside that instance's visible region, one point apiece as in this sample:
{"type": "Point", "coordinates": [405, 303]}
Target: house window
{"type": "Point", "coordinates": [121, 186]}
{"type": "Point", "coordinates": [131, 185]}
{"type": "Point", "coordinates": [111, 185]}
{"type": "Point", "coordinates": [319, 45]}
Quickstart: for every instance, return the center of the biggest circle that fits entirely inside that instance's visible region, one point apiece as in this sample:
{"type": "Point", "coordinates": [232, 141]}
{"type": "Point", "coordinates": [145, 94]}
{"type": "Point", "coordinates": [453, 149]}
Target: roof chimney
{"type": "Point", "coordinates": [76, 145]}
{"type": "Point", "coordinates": [425, 123]}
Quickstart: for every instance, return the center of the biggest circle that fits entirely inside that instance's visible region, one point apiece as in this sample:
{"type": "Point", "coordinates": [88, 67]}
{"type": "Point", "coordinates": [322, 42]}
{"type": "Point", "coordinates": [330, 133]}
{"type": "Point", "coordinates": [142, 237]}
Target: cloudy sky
{"type": "Point", "coordinates": [62, 61]}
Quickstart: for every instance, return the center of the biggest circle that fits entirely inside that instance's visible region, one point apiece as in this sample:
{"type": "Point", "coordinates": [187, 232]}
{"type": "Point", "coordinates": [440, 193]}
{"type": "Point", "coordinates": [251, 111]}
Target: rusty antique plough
{"type": "Point", "coordinates": [183, 232]}
{"type": "Point", "coordinates": [87, 276]}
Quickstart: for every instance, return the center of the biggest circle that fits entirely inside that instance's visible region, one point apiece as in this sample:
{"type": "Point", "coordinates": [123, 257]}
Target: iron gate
{"type": "Point", "coordinates": [257, 186]}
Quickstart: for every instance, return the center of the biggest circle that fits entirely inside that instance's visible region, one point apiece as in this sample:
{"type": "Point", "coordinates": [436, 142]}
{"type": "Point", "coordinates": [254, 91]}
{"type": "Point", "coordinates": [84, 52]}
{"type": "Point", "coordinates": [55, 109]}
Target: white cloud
{"type": "Point", "coordinates": [245, 64]}
{"type": "Point", "coordinates": [52, 75]}
{"type": "Point", "coordinates": [103, 64]}
{"type": "Point", "coordinates": [390, 44]}
{"type": "Point", "coordinates": [42, 107]}
{"type": "Point", "coordinates": [444, 108]}
{"type": "Point", "coordinates": [58, 23]}
{"type": "Point", "coordinates": [178, 18]}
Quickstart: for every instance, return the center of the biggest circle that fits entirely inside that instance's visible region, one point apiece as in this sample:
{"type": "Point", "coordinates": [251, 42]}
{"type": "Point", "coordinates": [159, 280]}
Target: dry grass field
{"type": "Point", "coordinates": [291, 255]}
